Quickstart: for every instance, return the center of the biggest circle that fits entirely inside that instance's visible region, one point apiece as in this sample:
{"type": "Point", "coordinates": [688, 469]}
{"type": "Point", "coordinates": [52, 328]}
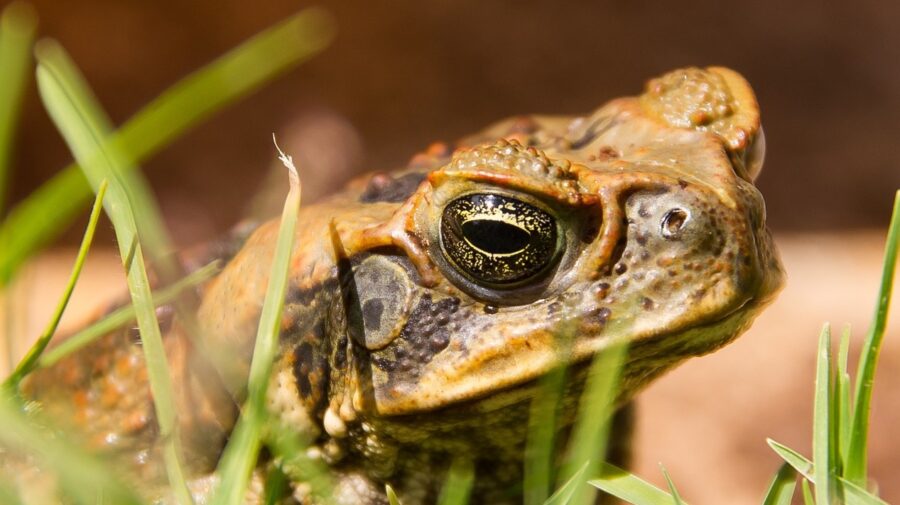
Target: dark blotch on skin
{"type": "Point", "coordinates": [311, 372]}
{"type": "Point", "coordinates": [601, 315]}
{"type": "Point", "coordinates": [384, 188]}
{"type": "Point", "coordinates": [371, 312]}
{"type": "Point", "coordinates": [602, 289]}
{"type": "Point", "coordinates": [490, 309]}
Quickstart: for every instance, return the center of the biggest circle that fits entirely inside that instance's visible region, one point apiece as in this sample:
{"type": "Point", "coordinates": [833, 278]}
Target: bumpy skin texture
{"type": "Point", "coordinates": [393, 358]}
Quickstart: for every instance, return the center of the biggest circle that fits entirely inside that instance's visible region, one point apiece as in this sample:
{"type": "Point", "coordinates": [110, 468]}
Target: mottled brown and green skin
{"type": "Point", "coordinates": [392, 360]}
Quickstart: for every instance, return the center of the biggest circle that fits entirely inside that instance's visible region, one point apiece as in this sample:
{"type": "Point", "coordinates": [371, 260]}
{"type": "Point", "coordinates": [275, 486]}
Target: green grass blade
{"type": "Point", "coordinates": [81, 475]}
{"type": "Point", "coordinates": [17, 27]}
{"type": "Point", "coordinates": [30, 361]}
{"type": "Point", "coordinates": [799, 462]}
{"type": "Point", "coordinates": [276, 486]}
{"type": "Point", "coordinates": [856, 467]}
{"type": "Point", "coordinates": [844, 401]}
{"type": "Point", "coordinates": [822, 446]}
{"type": "Point", "coordinates": [290, 451]}
{"type": "Point", "coordinates": [542, 422]}
{"type": "Point", "coordinates": [41, 217]}
{"type": "Point", "coordinates": [542, 437]}
{"type": "Point", "coordinates": [8, 495]}
{"type": "Point", "coordinates": [676, 498]}
{"type": "Point", "coordinates": [124, 315]}
{"type": "Point", "coordinates": [73, 111]}
{"type": "Point", "coordinates": [391, 495]}
{"type": "Point", "coordinates": [807, 494]}
{"type": "Point", "coordinates": [564, 494]}
{"type": "Point", "coordinates": [458, 485]}
{"type": "Point", "coordinates": [781, 490]}
{"type": "Point", "coordinates": [852, 494]}
{"type": "Point", "coordinates": [240, 455]}
{"type": "Point", "coordinates": [628, 487]}
{"type": "Point", "coordinates": [591, 430]}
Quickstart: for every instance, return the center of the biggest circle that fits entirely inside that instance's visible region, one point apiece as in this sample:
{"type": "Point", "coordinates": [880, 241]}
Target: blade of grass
{"type": "Point", "coordinates": [291, 457]}
{"type": "Point", "coordinates": [852, 494]}
{"type": "Point", "coordinates": [458, 485]}
{"type": "Point", "coordinates": [628, 487]}
{"type": "Point", "coordinates": [781, 490]}
{"type": "Point", "coordinates": [822, 447]}
{"type": "Point", "coordinates": [124, 315]}
{"type": "Point", "coordinates": [17, 27]}
{"type": "Point", "coordinates": [542, 436]}
{"type": "Point", "coordinates": [807, 494]}
{"type": "Point", "coordinates": [276, 486]}
{"type": "Point", "coordinates": [74, 113]}
{"type": "Point", "coordinates": [30, 361]}
{"type": "Point", "coordinates": [49, 210]}
{"type": "Point", "coordinates": [241, 453]}
{"type": "Point", "coordinates": [676, 498]}
{"type": "Point", "coordinates": [81, 475]}
{"type": "Point", "coordinates": [591, 430]}
{"type": "Point", "coordinates": [391, 495]}
{"type": "Point", "coordinates": [8, 495]}
{"type": "Point", "coordinates": [542, 421]}
{"type": "Point", "coordinates": [793, 458]}
{"type": "Point", "coordinates": [845, 401]}
{"type": "Point", "coordinates": [856, 470]}
{"type": "Point", "coordinates": [564, 494]}
{"type": "Point", "coordinates": [148, 218]}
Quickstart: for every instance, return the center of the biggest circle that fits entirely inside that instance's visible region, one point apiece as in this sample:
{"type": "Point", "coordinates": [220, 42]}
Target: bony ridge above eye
{"type": "Point", "coordinates": [498, 240]}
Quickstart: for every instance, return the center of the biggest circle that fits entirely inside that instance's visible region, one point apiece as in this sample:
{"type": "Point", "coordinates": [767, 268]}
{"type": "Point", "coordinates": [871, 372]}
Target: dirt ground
{"type": "Point", "coordinates": [707, 421]}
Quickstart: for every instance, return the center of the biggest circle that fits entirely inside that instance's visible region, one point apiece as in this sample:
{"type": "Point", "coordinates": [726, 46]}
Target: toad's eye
{"type": "Point", "coordinates": [498, 240]}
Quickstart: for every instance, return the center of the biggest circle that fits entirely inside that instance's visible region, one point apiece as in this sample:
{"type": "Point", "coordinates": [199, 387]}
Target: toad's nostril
{"type": "Point", "coordinates": [673, 222]}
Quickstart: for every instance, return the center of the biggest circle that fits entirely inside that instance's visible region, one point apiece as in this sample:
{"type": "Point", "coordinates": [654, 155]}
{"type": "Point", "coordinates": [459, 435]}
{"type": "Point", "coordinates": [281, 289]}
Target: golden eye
{"type": "Point", "coordinates": [498, 240]}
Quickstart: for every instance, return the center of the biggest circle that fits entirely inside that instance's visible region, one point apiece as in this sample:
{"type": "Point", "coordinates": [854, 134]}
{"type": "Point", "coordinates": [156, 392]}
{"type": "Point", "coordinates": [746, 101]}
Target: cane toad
{"type": "Point", "coordinates": [424, 303]}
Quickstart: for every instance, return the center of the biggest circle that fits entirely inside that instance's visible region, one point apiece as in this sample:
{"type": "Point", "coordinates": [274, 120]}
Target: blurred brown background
{"type": "Point", "coordinates": [404, 73]}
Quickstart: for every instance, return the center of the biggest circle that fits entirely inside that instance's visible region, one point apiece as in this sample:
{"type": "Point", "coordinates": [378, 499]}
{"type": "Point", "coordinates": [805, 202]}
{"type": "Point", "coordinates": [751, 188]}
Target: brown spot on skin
{"type": "Point", "coordinates": [647, 303]}
{"type": "Point", "coordinates": [620, 268]}
{"type": "Point", "coordinates": [602, 315]}
{"type": "Point", "coordinates": [607, 153]}
{"type": "Point", "coordinates": [641, 237]}
{"type": "Point", "coordinates": [602, 290]}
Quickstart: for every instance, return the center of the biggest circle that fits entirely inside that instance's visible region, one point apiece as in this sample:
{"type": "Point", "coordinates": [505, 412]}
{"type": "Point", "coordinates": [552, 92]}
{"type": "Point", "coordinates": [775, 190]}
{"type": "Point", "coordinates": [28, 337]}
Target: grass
{"type": "Point", "coordinates": [37, 220]}
{"type": "Point", "coordinates": [240, 455]}
{"type": "Point", "coordinates": [81, 122]}
{"type": "Point", "coordinates": [107, 158]}
{"type": "Point", "coordinates": [17, 28]}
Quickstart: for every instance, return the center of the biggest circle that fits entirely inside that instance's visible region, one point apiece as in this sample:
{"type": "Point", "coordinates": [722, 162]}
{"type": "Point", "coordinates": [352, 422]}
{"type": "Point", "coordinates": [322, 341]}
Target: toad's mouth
{"type": "Point", "coordinates": [490, 385]}
{"type": "Point", "coordinates": [643, 361]}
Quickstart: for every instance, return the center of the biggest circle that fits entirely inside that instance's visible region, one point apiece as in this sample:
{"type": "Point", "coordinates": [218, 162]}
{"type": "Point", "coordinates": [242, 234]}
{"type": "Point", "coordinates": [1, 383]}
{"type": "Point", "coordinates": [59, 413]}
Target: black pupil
{"type": "Point", "coordinates": [495, 237]}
